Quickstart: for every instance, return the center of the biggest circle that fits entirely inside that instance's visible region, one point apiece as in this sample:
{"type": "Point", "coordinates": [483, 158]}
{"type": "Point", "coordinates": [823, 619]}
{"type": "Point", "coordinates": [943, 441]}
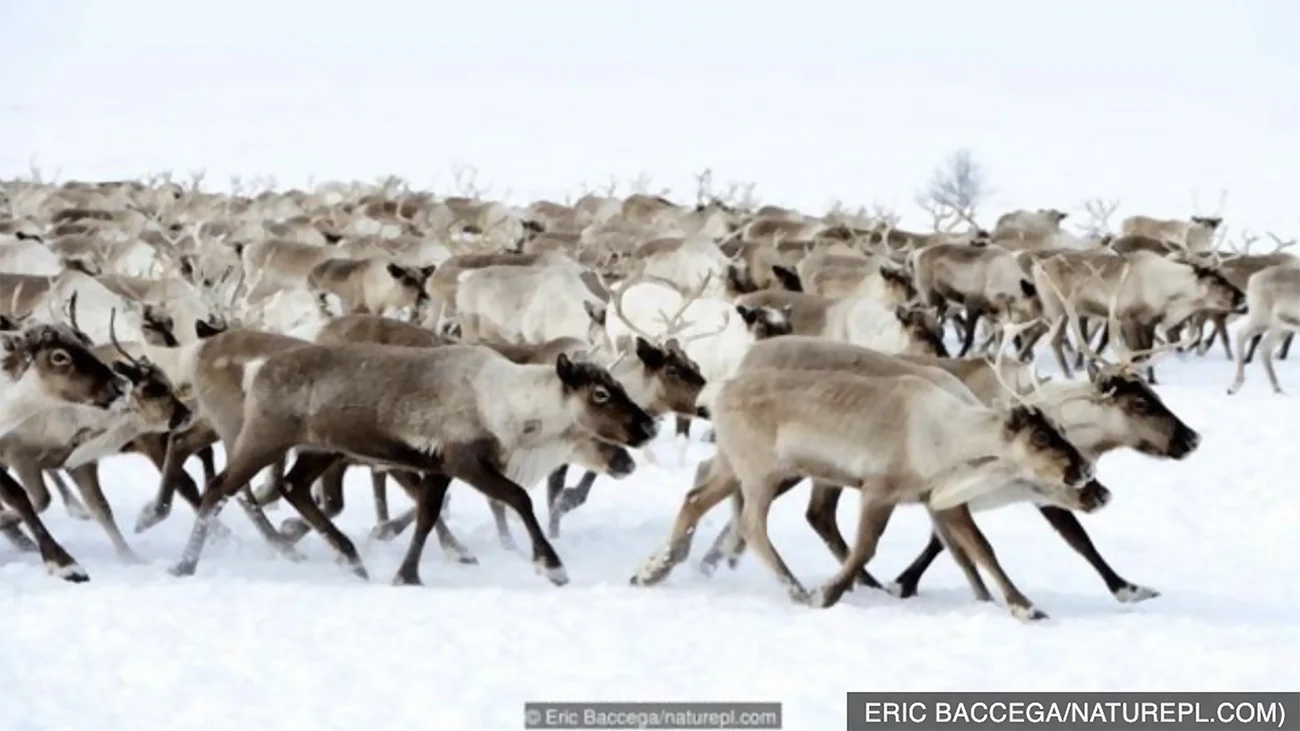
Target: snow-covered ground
{"type": "Point", "coordinates": [254, 641]}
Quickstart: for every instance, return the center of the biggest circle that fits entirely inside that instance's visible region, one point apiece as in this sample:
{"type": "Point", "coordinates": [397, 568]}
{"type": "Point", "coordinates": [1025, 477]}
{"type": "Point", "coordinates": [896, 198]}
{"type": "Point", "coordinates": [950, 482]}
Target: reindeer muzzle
{"type": "Point", "coordinates": [703, 412]}
{"type": "Point", "coordinates": [115, 396]}
{"type": "Point", "coordinates": [621, 465]}
{"type": "Point", "coordinates": [181, 420]}
{"type": "Point", "coordinates": [1093, 496]}
{"type": "Point", "coordinates": [1185, 442]}
{"type": "Point", "coordinates": [644, 431]}
{"type": "Point", "coordinates": [1079, 475]}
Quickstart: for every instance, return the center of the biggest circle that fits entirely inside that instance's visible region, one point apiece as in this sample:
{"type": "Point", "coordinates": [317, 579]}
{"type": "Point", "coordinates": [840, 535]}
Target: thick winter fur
{"type": "Point", "coordinates": [839, 276]}
{"type": "Point", "coordinates": [857, 320]}
{"type": "Point", "coordinates": [1138, 290]}
{"type": "Point", "coordinates": [1114, 409]}
{"type": "Point", "coordinates": [461, 411]}
{"type": "Point", "coordinates": [75, 436]}
{"type": "Point", "coordinates": [983, 280]}
{"type": "Point", "coordinates": [368, 285]}
{"type": "Point", "coordinates": [898, 439]}
{"type": "Point", "coordinates": [1194, 234]}
{"type": "Point", "coordinates": [530, 305]}
{"type": "Point", "coordinates": [46, 367]}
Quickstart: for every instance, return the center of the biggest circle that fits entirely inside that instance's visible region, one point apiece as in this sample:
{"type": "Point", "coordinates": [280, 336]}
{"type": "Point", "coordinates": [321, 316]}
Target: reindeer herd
{"type": "Point", "coordinates": [434, 339]}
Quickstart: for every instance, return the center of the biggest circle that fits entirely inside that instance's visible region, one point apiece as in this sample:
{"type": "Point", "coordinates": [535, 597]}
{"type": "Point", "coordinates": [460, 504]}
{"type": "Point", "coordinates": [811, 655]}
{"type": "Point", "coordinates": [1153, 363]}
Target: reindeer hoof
{"type": "Point", "coordinates": [184, 568]}
{"type": "Point", "coordinates": [385, 531]}
{"type": "Point", "coordinates": [359, 571]}
{"type": "Point", "coordinates": [1133, 593]}
{"type": "Point", "coordinates": [826, 596]}
{"type": "Point", "coordinates": [150, 516]}
{"type": "Point", "coordinates": [77, 511]}
{"type": "Point", "coordinates": [709, 564]}
{"type": "Point", "coordinates": [131, 558]}
{"type": "Point", "coordinates": [1028, 613]}
{"type": "Point", "coordinates": [293, 529]}
{"type": "Point", "coordinates": [901, 590]}
{"type": "Point", "coordinates": [554, 574]}
{"type": "Point", "coordinates": [407, 578]}
{"type": "Point", "coordinates": [68, 572]}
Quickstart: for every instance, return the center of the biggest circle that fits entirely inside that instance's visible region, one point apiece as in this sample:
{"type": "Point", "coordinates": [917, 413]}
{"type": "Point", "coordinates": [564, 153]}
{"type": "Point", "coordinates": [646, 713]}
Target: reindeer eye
{"type": "Point", "coordinates": [60, 358]}
{"type": "Point", "coordinates": [599, 395]}
{"type": "Point", "coordinates": [672, 370]}
{"type": "Point", "coordinates": [1040, 439]}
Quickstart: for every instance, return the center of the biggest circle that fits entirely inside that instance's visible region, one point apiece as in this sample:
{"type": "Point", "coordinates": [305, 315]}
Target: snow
{"type": "Point", "coordinates": [256, 641]}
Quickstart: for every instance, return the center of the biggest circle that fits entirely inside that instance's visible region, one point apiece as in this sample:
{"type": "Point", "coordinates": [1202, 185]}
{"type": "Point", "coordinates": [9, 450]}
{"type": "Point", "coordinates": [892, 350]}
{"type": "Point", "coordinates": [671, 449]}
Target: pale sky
{"type": "Point", "coordinates": [1144, 101]}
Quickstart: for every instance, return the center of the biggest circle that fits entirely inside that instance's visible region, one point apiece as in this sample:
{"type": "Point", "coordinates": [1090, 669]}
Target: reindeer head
{"type": "Point", "coordinates": [601, 406]}
{"type": "Point", "coordinates": [673, 379]}
{"type": "Point", "coordinates": [766, 322]}
{"type": "Point", "coordinates": [597, 314]}
{"type": "Point", "coordinates": [9, 323]}
{"type": "Point", "coordinates": [1053, 215]}
{"type": "Point", "coordinates": [212, 326]}
{"type": "Point", "coordinates": [899, 285]}
{"type": "Point", "coordinates": [58, 361]}
{"type": "Point", "coordinates": [410, 283]}
{"type": "Point", "coordinates": [158, 327]}
{"type": "Point", "coordinates": [1215, 292]}
{"type": "Point", "coordinates": [1126, 412]}
{"type": "Point", "coordinates": [152, 396]}
{"type": "Point", "coordinates": [1210, 223]}
{"type": "Point", "coordinates": [1039, 442]}
{"type": "Point", "coordinates": [924, 330]}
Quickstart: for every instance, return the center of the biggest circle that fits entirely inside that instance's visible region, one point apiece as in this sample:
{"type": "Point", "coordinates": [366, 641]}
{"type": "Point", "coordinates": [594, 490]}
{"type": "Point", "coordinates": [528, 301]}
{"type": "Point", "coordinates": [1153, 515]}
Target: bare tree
{"type": "Point", "coordinates": [956, 190]}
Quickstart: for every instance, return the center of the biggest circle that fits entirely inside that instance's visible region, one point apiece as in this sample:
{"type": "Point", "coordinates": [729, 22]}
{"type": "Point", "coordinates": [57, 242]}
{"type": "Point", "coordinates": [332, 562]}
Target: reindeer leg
{"type": "Point", "coordinates": [1267, 348]}
{"type": "Point", "coordinates": [307, 467]}
{"type": "Point", "coordinates": [76, 509]}
{"type": "Point", "coordinates": [428, 505]}
{"type": "Point", "coordinates": [268, 493]}
{"type": "Point", "coordinates": [31, 478]}
{"type": "Point", "coordinates": [873, 516]}
{"type": "Point", "coordinates": [503, 527]}
{"type": "Point", "coordinates": [379, 488]}
{"type": "Point", "coordinates": [905, 584]}
{"type": "Point", "coordinates": [573, 497]}
{"type": "Point", "coordinates": [730, 544]}
{"type": "Point", "coordinates": [969, 537]}
{"type": "Point", "coordinates": [452, 548]}
{"type": "Point", "coordinates": [1252, 329]}
{"type": "Point", "coordinates": [484, 477]}
{"type": "Point", "coordinates": [1087, 336]}
{"type": "Point", "coordinates": [253, 451]}
{"type": "Point", "coordinates": [293, 529]}
{"type": "Point", "coordinates": [9, 529]}
{"type": "Point", "coordinates": [554, 488]}
{"type": "Point", "coordinates": [1286, 345]}
{"type": "Point", "coordinates": [57, 560]}
{"type": "Point", "coordinates": [1068, 526]}
{"type": "Point", "coordinates": [1057, 340]}
{"type": "Point", "coordinates": [86, 478]}
{"type": "Point", "coordinates": [710, 489]}
{"type": "Point", "coordinates": [683, 438]}
{"type": "Point", "coordinates": [822, 504]}
{"type": "Point", "coordinates": [753, 526]}
{"type": "Point", "coordinates": [208, 459]}
{"type": "Point", "coordinates": [973, 315]}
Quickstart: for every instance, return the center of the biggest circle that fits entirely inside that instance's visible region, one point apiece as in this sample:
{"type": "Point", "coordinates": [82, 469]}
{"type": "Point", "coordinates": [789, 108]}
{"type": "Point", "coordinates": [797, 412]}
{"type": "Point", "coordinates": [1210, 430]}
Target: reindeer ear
{"type": "Point", "coordinates": [186, 266]}
{"type": "Point", "coordinates": [130, 372]}
{"type": "Point", "coordinates": [595, 312]}
{"type": "Point", "coordinates": [652, 357]}
{"type": "Point", "coordinates": [204, 329]}
{"type": "Point", "coordinates": [788, 278]}
{"type": "Point", "coordinates": [748, 314]}
{"type": "Point", "coordinates": [428, 271]}
{"type": "Point", "coordinates": [567, 372]}
{"type": "Point", "coordinates": [903, 314]}
{"type": "Point", "coordinates": [396, 272]}
{"type": "Point", "coordinates": [1028, 289]}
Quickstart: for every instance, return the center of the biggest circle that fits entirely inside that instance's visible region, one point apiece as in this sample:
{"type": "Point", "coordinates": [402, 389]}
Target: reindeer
{"type": "Point", "coordinates": [983, 280]}
{"type": "Point", "coordinates": [1021, 223]}
{"type": "Point", "coordinates": [46, 366]}
{"type": "Point", "coordinates": [704, 328]}
{"type": "Point", "coordinates": [1273, 310]}
{"type": "Point", "coordinates": [460, 411]}
{"type": "Point", "coordinates": [530, 304]}
{"type": "Point", "coordinates": [838, 276]}
{"type": "Point", "coordinates": [75, 436]}
{"type": "Point", "coordinates": [1134, 292]}
{"type": "Point", "coordinates": [858, 320]}
{"type": "Point", "coordinates": [1194, 234]}
{"type": "Point", "coordinates": [924, 443]}
{"type": "Point", "coordinates": [370, 285]}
